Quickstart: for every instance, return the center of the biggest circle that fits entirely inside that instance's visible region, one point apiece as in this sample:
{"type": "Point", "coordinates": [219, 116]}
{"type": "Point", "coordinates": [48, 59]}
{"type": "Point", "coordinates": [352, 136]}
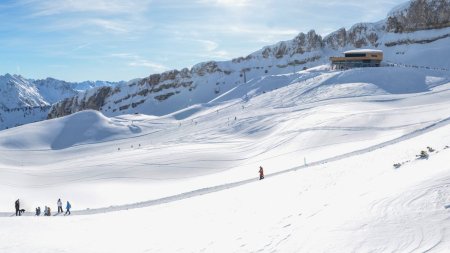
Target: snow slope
{"type": "Point", "coordinates": [348, 197]}
{"type": "Point", "coordinates": [314, 117]}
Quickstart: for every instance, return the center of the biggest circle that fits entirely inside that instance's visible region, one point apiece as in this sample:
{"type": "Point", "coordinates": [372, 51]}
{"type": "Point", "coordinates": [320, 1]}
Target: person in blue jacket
{"type": "Point", "coordinates": [68, 206]}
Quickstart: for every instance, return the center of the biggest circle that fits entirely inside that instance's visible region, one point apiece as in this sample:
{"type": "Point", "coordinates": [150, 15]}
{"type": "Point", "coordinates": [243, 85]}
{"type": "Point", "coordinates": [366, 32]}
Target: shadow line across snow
{"type": "Point", "coordinates": [217, 188]}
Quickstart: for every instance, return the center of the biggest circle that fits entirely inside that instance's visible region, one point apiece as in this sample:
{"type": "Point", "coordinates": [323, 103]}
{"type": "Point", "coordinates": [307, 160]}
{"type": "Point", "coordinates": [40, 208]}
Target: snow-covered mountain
{"type": "Point", "coordinates": [415, 34]}
{"type": "Point", "coordinates": [341, 150]}
{"type": "Point", "coordinates": [327, 142]}
{"type": "Point", "coordinates": [25, 100]}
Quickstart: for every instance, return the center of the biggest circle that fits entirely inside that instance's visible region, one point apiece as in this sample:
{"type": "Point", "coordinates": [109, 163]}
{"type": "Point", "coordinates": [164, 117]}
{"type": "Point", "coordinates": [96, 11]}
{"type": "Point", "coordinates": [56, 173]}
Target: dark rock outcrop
{"type": "Point", "coordinates": [75, 104]}
{"type": "Point", "coordinates": [420, 15]}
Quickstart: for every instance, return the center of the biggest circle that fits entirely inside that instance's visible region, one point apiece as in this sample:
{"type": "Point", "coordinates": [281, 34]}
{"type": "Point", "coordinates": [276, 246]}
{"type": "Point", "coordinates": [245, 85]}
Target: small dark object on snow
{"type": "Point", "coordinates": [430, 149]}
{"type": "Point", "coordinates": [397, 165]}
{"type": "Point", "coordinates": [423, 155]}
{"type": "Point", "coordinates": [261, 173]}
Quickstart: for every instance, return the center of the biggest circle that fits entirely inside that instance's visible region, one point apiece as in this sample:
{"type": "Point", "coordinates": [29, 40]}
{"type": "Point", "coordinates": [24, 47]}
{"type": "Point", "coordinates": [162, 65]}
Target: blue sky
{"type": "Point", "coordinates": [113, 40]}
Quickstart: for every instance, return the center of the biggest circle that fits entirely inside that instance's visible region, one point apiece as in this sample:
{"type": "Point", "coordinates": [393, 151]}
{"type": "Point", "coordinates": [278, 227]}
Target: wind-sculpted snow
{"type": "Point", "coordinates": [314, 117]}
{"type": "Point", "coordinates": [354, 202]}
{"type": "Point", "coordinates": [77, 129]}
{"type": "Point", "coordinates": [336, 187]}
{"type": "Point", "coordinates": [392, 80]}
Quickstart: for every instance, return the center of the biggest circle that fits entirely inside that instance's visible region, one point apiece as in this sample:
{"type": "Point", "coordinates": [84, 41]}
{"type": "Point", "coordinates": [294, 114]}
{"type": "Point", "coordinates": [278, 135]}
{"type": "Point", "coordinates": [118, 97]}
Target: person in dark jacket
{"type": "Point", "coordinates": [68, 206]}
{"type": "Point", "coordinates": [17, 205]}
{"type": "Point", "coordinates": [38, 211]}
{"type": "Point", "coordinates": [261, 173]}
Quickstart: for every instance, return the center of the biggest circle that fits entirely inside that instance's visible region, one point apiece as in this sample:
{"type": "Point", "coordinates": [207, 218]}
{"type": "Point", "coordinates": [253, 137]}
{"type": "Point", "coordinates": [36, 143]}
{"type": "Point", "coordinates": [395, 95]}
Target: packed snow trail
{"type": "Point", "coordinates": [217, 188]}
{"type": "Point", "coordinates": [357, 204]}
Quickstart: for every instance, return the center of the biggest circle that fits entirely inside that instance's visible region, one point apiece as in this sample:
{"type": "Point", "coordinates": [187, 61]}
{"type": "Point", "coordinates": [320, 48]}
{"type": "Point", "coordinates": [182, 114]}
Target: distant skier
{"type": "Point", "coordinates": [60, 209]}
{"type": "Point", "coordinates": [68, 206]}
{"type": "Point", "coordinates": [17, 206]}
{"type": "Point", "coordinates": [261, 173]}
{"type": "Point", "coordinates": [38, 211]}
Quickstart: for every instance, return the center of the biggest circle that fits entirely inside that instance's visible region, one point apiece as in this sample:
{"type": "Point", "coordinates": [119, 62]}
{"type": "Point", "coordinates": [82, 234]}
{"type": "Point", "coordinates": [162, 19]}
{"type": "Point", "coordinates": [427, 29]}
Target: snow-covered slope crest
{"type": "Point", "coordinates": [407, 41]}
{"type": "Point", "coordinates": [317, 84]}
{"type": "Point", "coordinates": [80, 128]}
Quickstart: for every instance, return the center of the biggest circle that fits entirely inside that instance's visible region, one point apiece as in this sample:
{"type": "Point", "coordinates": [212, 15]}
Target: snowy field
{"type": "Point", "coordinates": [187, 182]}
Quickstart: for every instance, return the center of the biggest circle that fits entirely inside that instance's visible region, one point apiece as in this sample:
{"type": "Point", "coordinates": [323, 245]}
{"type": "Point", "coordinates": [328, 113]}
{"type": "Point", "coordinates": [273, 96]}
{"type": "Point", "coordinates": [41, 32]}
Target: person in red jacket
{"type": "Point", "coordinates": [261, 173]}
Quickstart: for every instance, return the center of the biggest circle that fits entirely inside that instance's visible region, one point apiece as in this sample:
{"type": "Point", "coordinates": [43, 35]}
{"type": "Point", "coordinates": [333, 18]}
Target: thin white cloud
{"type": "Point", "coordinates": [52, 7]}
{"type": "Point", "coordinates": [209, 45]}
{"type": "Point", "coordinates": [79, 47]}
{"type": "Point", "coordinates": [109, 25]}
{"type": "Point", "coordinates": [134, 60]}
{"type": "Point", "coordinates": [148, 64]}
{"type": "Point", "coordinates": [227, 3]}
{"type": "Point", "coordinates": [111, 16]}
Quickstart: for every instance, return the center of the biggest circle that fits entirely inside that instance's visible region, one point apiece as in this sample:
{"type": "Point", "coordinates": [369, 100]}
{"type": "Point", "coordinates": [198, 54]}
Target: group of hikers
{"type": "Point", "coordinates": [47, 210]}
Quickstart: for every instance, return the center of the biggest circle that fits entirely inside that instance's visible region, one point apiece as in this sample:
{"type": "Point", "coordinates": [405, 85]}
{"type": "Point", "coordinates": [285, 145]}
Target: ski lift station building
{"type": "Point", "coordinates": [357, 59]}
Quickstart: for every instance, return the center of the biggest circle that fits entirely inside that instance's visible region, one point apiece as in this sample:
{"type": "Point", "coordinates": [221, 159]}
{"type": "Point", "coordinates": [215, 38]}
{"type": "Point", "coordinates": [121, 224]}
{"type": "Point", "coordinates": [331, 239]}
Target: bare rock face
{"type": "Point", "coordinates": [300, 44]}
{"type": "Point", "coordinates": [306, 43]}
{"type": "Point", "coordinates": [75, 104]}
{"type": "Point", "coordinates": [360, 35]}
{"type": "Point", "coordinates": [420, 15]}
{"type": "Point", "coordinates": [363, 35]}
{"type": "Point", "coordinates": [337, 39]}
{"type": "Point", "coordinates": [205, 68]}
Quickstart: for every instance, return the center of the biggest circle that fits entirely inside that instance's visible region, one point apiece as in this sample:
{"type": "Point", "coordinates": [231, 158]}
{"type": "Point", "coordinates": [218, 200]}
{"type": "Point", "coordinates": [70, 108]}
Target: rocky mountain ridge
{"type": "Point", "coordinates": [416, 23]}
{"type": "Point", "coordinates": [26, 100]}
{"type": "Point", "coordinates": [158, 93]}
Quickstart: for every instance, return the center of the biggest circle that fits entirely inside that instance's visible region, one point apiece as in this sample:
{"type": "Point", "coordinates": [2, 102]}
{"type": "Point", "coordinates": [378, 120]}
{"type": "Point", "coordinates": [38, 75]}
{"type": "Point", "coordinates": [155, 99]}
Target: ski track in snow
{"type": "Point", "coordinates": [217, 188]}
{"type": "Point", "coordinates": [347, 198]}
